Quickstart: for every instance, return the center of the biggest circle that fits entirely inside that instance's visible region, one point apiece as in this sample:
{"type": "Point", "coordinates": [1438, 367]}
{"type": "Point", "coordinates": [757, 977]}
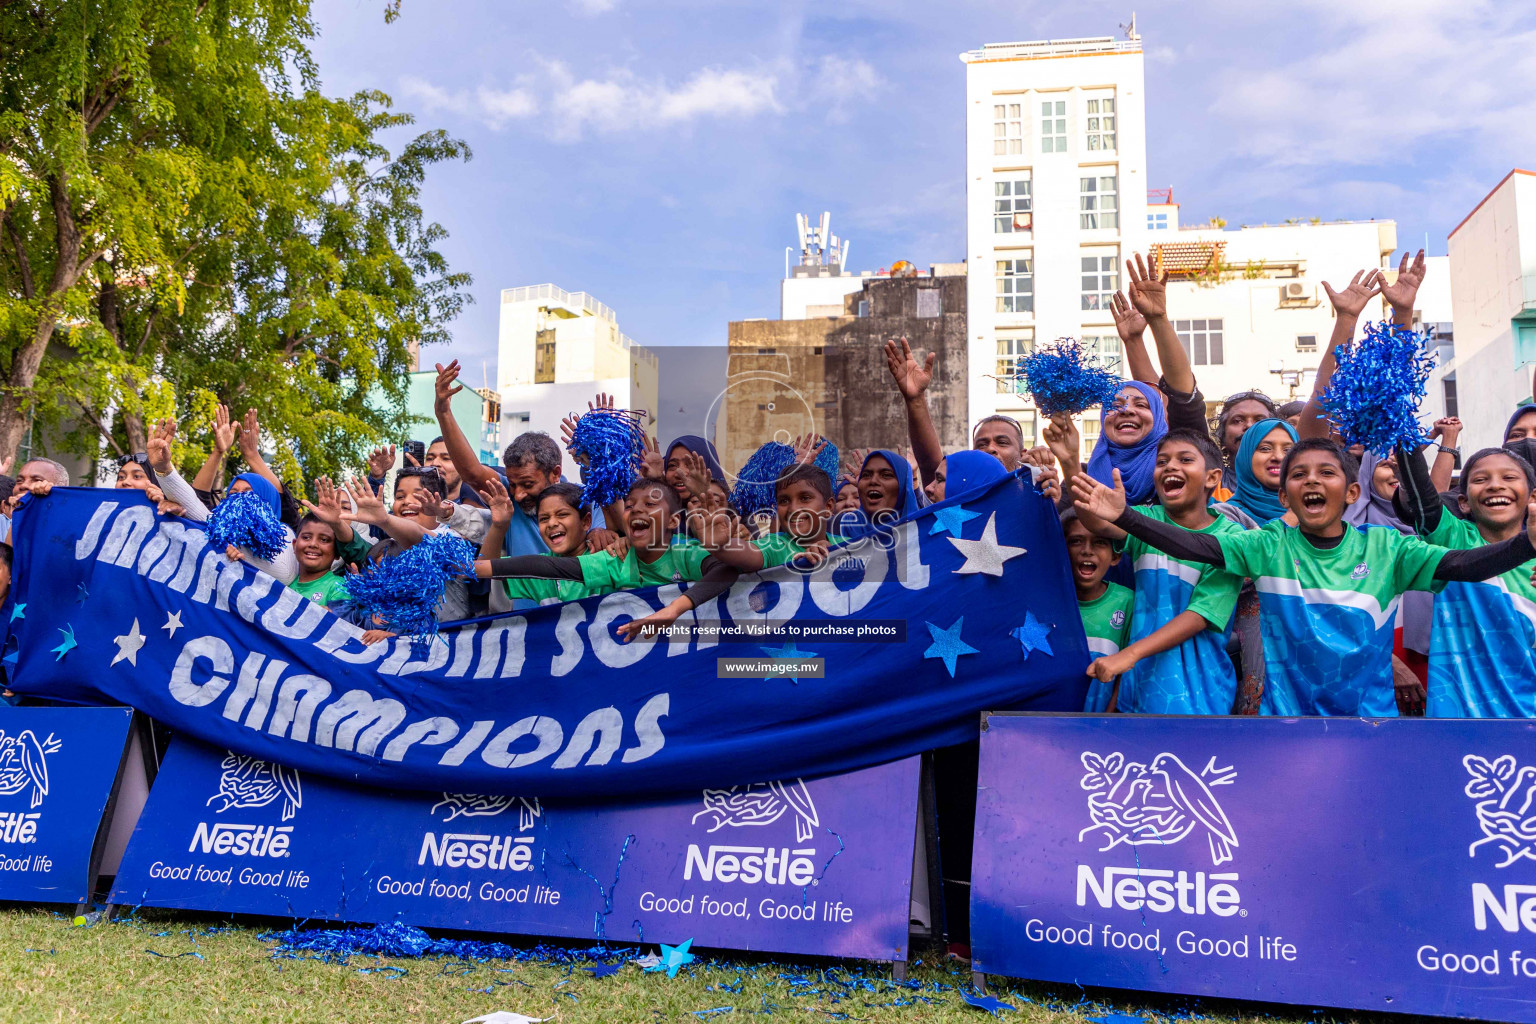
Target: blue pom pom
{"type": "Point", "coordinates": [611, 441]}
{"type": "Point", "coordinates": [1064, 379]}
{"type": "Point", "coordinates": [243, 520]}
{"type": "Point", "coordinates": [1374, 395]}
{"type": "Point", "coordinates": [828, 462]}
{"type": "Point", "coordinates": [404, 590]}
{"type": "Point", "coordinates": [757, 483]}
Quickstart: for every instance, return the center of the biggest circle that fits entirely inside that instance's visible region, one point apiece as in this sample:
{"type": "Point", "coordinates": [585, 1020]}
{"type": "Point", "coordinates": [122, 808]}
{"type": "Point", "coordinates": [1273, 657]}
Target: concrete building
{"type": "Point", "coordinates": [477, 415]}
{"type": "Point", "coordinates": [557, 350]}
{"type": "Point", "coordinates": [1056, 190]}
{"type": "Point", "coordinates": [1486, 370]}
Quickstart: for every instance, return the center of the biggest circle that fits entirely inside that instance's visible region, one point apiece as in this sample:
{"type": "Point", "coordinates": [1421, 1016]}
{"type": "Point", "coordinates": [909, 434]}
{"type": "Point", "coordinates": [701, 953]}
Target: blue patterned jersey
{"type": "Point", "coordinates": [1107, 624]}
{"type": "Point", "coordinates": [1327, 615]}
{"type": "Point", "coordinates": [1196, 677]}
{"type": "Point", "coordinates": [1481, 660]}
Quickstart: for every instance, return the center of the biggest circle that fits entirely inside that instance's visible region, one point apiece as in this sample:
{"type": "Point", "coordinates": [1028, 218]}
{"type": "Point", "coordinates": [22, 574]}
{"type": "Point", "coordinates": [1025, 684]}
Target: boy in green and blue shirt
{"type": "Point", "coordinates": [1105, 607]}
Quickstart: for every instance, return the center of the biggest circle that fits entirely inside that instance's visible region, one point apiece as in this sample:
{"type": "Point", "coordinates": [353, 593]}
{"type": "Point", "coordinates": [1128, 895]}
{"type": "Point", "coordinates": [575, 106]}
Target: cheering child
{"type": "Point", "coordinates": [563, 523]}
{"type": "Point", "coordinates": [1328, 592]}
{"type": "Point", "coordinates": [1105, 607]}
{"type": "Point", "coordinates": [1177, 662]}
{"type": "Point", "coordinates": [803, 496]}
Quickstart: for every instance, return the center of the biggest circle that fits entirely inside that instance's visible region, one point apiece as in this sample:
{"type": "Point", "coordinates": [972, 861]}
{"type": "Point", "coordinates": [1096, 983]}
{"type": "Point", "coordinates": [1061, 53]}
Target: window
{"type": "Point", "coordinates": [1448, 389]}
{"type": "Point", "coordinates": [1104, 347]}
{"type": "Point", "coordinates": [1011, 206]}
{"type": "Point", "coordinates": [1098, 203]}
{"type": "Point", "coordinates": [1053, 126]}
{"type": "Point", "coordinates": [544, 358]}
{"type": "Point", "coordinates": [1157, 222]}
{"type": "Point", "coordinates": [1306, 343]}
{"type": "Point", "coordinates": [1088, 432]}
{"type": "Point", "coordinates": [1007, 128]}
{"type": "Point", "coordinates": [1202, 340]}
{"type": "Point", "coordinates": [1101, 277]}
{"type": "Point", "coordinates": [930, 303]}
{"type": "Point", "coordinates": [1011, 346]}
{"type": "Point", "coordinates": [1016, 286]}
{"type": "Point", "coordinates": [1099, 124]}
{"type": "Point", "coordinates": [1027, 428]}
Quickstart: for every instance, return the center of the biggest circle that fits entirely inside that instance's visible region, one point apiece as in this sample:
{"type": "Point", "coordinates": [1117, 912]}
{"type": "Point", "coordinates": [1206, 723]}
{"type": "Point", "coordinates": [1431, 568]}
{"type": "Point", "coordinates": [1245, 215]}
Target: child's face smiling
{"type": "Point", "coordinates": [646, 513]}
{"type": "Point", "coordinates": [878, 488]}
{"type": "Point", "coordinates": [1131, 418]}
{"type": "Point", "coordinates": [562, 527]}
{"type": "Point", "coordinates": [675, 472]}
{"type": "Point", "coordinates": [406, 490]}
{"type": "Point", "coordinates": [1269, 456]}
{"type": "Point", "coordinates": [1089, 556]}
{"type": "Point", "coordinates": [802, 510]}
{"type": "Point", "coordinates": [1316, 490]}
{"type": "Point", "coordinates": [314, 548]}
{"type": "Point", "coordinates": [1496, 492]}
{"type": "Point", "coordinates": [1181, 477]}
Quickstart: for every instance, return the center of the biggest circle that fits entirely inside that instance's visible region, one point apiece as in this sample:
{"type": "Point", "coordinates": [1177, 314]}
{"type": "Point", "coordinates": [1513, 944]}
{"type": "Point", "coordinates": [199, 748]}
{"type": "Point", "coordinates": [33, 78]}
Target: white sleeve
{"type": "Point", "coordinates": [178, 490]}
{"type": "Point", "coordinates": [469, 521]}
{"type": "Point", "coordinates": [284, 567]}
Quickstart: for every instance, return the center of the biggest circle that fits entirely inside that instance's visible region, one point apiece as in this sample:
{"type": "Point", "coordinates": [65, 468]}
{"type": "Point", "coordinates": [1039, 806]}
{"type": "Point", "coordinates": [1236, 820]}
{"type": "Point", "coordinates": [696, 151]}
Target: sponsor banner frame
{"type": "Point", "coordinates": [817, 866]}
{"type": "Point", "coordinates": [1370, 864]}
{"type": "Point", "coordinates": [60, 768]}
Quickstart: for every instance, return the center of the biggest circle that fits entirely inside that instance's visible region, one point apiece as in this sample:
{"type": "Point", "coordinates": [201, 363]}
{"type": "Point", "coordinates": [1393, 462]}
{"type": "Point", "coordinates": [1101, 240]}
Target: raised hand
{"type": "Point", "coordinates": [6, 464]}
{"type": "Point", "coordinates": [1401, 293]}
{"type": "Point", "coordinates": [1048, 483]}
{"type": "Point", "coordinates": [1039, 456]}
{"type": "Point", "coordinates": [444, 387]}
{"type": "Point", "coordinates": [1129, 323]}
{"type": "Point", "coordinates": [1364, 286]}
{"type": "Point", "coordinates": [225, 433]}
{"type": "Point", "coordinates": [853, 461]}
{"type": "Point", "coordinates": [651, 465]}
{"type": "Point", "coordinates": [1149, 290]}
{"type": "Point", "coordinates": [381, 461]}
{"type": "Point", "coordinates": [1097, 500]}
{"type": "Point", "coordinates": [327, 506]}
{"type": "Point", "coordinates": [250, 435]}
{"type": "Point", "coordinates": [1061, 437]}
{"type": "Point", "coordinates": [367, 507]}
{"type": "Point", "coordinates": [607, 540]}
{"type": "Point", "coordinates": [496, 498]}
{"type": "Point", "coordinates": [158, 446]}
{"type": "Point", "coordinates": [427, 503]}
{"type": "Point", "coordinates": [911, 378]}
{"type": "Point", "coordinates": [1447, 430]}
{"type": "Point", "coordinates": [696, 475]}
{"type": "Point", "coordinates": [808, 447]}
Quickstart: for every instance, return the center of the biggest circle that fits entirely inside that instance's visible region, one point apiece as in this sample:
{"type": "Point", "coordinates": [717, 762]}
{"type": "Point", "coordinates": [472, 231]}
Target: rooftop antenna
{"type": "Point", "coordinates": [819, 247]}
{"type": "Point", "coordinates": [1130, 30]}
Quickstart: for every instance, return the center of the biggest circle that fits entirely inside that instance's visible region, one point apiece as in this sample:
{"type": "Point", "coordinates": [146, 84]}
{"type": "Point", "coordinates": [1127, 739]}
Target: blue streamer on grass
{"type": "Point", "coordinates": [757, 482]}
{"type": "Point", "coordinates": [243, 520]}
{"type": "Point", "coordinates": [403, 590]}
{"type": "Point", "coordinates": [1063, 378]}
{"type": "Point", "coordinates": [611, 441]}
{"type": "Point", "coordinates": [1374, 396]}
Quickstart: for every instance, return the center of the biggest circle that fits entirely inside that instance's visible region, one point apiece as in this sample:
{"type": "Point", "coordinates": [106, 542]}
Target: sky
{"type": "Point", "coordinates": [654, 154]}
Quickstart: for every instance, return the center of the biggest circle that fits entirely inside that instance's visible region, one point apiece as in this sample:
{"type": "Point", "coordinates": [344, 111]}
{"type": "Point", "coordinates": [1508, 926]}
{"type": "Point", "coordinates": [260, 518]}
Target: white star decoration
{"type": "Point", "coordinates": [172, 623]}
{"type": "Point", "coordinates": [985, 555]}
{"type": "Point", "coordinates": [128, 646]}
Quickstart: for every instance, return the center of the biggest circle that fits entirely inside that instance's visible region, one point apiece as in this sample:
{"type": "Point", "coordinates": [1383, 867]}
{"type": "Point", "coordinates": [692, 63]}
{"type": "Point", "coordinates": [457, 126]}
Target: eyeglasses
{"type": "Point", "coordinates": [1250, 396]}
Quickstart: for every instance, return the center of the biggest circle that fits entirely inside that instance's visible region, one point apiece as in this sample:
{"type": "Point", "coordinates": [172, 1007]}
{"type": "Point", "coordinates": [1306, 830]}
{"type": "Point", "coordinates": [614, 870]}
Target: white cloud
{"type": "Point", "coordinates": [840, 85]}
{"type": "Point", "coordinates": [592, 7]}
{"type": "Point", "coordinates": [499, 106]}
{"type": "Point", "coordinates": [431, 98]}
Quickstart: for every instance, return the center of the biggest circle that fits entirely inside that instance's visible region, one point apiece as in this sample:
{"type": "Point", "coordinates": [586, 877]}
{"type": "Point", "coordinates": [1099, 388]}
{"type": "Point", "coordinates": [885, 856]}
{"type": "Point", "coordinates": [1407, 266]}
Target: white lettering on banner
{"type": "Point", "coordinates": [363, 719]}
{"type": "Point", "coordinates": [280, 618]}
{"type": "Point", "coordinates": [229, 838]}
{"type": "Point", "coordinates": [473, 850]}
{"type": "Point", "coordinates": [129, 531]}
{"type": "Point", "coordinates": [1159, 891]}
{"type": "Point", "coordinates": [1515, 911]}
{"type": "Point", "coordinates": [751, 865]}
{"type": "Point", "coordinates": [571, 646]}
{"type": "Point", "coordinates": [18, 826]}
{"type": "Point", "coordinates": [746, 604]}
{"type": "Point", "coordinates": [196, 695]}
{"type": "Point", "coordinates": [606, 723]}
{"type": "Point", "coordinates": [249, 687]}
{"type": "Point", "coordinates": [608, 650]}
{"type": "Point", "coordinates": [547, 731]}
{"type": "Point", "coordinates": [501, 649]}
{"type": "Point", "coordinates": [86, 545]}
{"type": "Point", "coordinates": [866, 557]}
{"type": "Point", "coordinates": [429, 731]}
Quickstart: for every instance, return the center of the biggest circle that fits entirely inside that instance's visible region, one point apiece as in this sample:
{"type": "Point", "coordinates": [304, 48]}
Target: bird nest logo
{"type": "Point", "coordinates": [248, 782]}
{"type": "Point", "coordinates": [1162, 802]}
{"type": "Point", "coordinates": [761, 803]}
{"type": "Point", "coordinates": [470, 805]}
{"type": "Point", "coordinates": [24, 764]}
{"type": "Point", "coordinates": [1505, 797]}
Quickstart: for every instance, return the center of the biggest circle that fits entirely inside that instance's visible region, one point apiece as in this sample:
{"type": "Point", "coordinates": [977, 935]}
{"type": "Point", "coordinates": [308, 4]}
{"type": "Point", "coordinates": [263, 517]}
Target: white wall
{"type": "Point", "coordinates": [797, 293]}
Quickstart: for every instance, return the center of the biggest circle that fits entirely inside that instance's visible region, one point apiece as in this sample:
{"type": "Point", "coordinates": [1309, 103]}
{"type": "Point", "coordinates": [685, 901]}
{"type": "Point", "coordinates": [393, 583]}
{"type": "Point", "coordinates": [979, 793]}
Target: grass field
{"type": "Point", "coordinates": [158, 966]}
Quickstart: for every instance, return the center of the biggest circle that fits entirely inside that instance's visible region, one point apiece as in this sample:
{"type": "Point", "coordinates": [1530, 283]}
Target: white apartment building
{"type": "Point", "coordinates": [556, 351]}
{"type": "Point", "coordinates": [1056, 190]}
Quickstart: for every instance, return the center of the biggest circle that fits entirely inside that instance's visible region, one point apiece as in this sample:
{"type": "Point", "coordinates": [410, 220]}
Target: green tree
{"type": "Point", "coordinates": [187, 220]}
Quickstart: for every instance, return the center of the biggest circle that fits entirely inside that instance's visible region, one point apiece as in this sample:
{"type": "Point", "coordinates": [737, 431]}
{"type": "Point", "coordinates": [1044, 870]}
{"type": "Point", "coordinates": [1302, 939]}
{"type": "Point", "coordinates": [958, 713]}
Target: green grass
{"type": "Point", "coordinates": [51, 971]}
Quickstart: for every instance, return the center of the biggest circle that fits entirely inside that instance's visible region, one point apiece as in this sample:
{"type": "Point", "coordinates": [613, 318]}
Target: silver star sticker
{"type": "Point", "coordinates": [172, 623]}
{"type": "Point", "coordinates": [985, 555]}
{"type": "Point", "coordinates": [128, 646]}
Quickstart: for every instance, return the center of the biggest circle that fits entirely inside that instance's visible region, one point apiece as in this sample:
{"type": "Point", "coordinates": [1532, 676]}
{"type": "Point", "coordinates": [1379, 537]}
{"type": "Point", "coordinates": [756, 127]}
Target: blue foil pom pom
{"type": "Point", "coordinates": [403, 591]}
{"type": "Point", "coordinates": [1063, 378]}
{"type": "Point", "coordinates": [1377, 387]}
{"type": "Point", "coordinates": [243, 520]}
{"type": "Point", "coordinates": [612, 442]}
{"type": "Point", "coordinates": [757, 482]}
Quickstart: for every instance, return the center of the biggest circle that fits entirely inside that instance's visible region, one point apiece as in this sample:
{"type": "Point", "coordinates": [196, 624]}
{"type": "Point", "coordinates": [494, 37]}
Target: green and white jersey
{"type": "Point", "coordinates": [779, 548]}
{"type": "Point", "coordinates": [1107, 623]}
{"type": "Point", "coordinates": [681, 562]}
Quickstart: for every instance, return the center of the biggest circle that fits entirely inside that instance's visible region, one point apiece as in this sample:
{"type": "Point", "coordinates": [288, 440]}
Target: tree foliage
{"type": "Point", "coordinates": [188, 220]}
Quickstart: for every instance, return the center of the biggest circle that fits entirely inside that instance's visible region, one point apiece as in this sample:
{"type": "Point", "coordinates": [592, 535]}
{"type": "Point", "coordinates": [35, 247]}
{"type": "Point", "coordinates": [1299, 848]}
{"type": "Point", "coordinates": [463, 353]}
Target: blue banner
{"type": "Point", "coordinates": [57, 770]}
{"type": "Point", "coordinates": [111, 599]}
{"type": "Point", "coordinates": [819, 867]}
{"type": "Point", "coordinates": [1379, 865]}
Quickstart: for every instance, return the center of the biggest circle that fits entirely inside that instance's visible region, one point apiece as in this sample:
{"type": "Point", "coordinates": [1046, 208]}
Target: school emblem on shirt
{"type": "Point", "coordinates": [1360, 572]}
{"type": "Point", "coordinates": [1118, 618]}
{"type": "Point", "coordinates": [1506, 806]}
{"type": "Point", "coordinates": [1161, 802]}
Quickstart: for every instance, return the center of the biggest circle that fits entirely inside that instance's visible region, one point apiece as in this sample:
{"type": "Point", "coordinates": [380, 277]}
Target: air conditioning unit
{"type": "Point", "coordinates": [1294, 291]}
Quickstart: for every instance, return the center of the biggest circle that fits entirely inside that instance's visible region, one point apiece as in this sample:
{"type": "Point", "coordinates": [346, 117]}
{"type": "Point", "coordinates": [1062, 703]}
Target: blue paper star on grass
{"type": "Point", "coordinates": [19, 612]}
{"type": "Point", "coordinates": [603, 970]}
{"type": "Point", "coordinates": [67, 644]}
{"type": "Point", "coordinates": [787, 652]}
{"type": "Point", "coordinates": [988, 1003]}
{"type": "Point", "coordinates": [673, 957]}
{"type": "Point", "coordinates": [82, 595]}
{"type": "Point", "coordinates": [950, 520]}
{"type": "Point", "coordinates": [948, 645]}
{"type": "Point", "coordinates": [1032, 636]}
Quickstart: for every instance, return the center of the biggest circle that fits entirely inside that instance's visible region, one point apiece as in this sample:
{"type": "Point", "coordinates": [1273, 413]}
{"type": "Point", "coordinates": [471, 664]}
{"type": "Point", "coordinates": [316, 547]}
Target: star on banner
{"type": "Point", "coordinates": [786, 653]}
{"type": "Point", "coordinates": [985, 555]}
{"type": "Point", "coordinates": [1032, 636]}
{"type": "Point", "coordinates": [673, 957]}
{"type": "Point", "coordinates": [172, 623]}
{"type": "Point", "coordinates": [67, 644]}
{"type": "Point", "coordinates": [82, 595]}
{"type": "Point", "coordinates": [948, 645]}
{"type": "Point", "coordinates": [19, 612]}
{"type": "Point", "coordinates": [950, 520]}
{"type": "Point", "coordinates": [988, 1003]}
{"type": "Point", "coordinates": [128, 646]}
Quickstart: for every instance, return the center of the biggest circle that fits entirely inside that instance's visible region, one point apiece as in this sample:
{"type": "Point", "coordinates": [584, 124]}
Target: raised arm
{"type": "Point", "coordinates": [1446, 432]}
{"type": "Point", "coordinates": [1417, 499]}
{"type": "Point", "coordinates": [368, 507]}
{"type": "Point", "coordinates": [912, 381]}
{"type": "Point", "coordinates": [1109, 505]}
{"type": "Point", "coordinates": [1347, 307]}
{"type": "Point", "coordinates": [465, 459]}
{"type": "Point", "coordinates": [250, 447]}
{"type": "Point", "coordinates": [1061, 437]}
{"type": "Point", "coordinates": [224, 434]}
{"type": "Point", "coordinates": [1132, 328]}
{"type": "Point", "coordinates": [1400, 294]}
{"type": "Point", "coordinates": [1149, 294]}
{"type": "Point", "coordinates": [157, 448]}
{"type": "Point", "coordinates": [1489, 560]}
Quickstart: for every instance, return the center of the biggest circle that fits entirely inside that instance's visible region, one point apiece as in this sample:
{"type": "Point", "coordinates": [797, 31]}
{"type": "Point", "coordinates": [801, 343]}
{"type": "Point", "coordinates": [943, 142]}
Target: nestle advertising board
{"type": "Point", "coordinates": [818, 866]}
{"type": "Point", "coordinates": [1384, 865]}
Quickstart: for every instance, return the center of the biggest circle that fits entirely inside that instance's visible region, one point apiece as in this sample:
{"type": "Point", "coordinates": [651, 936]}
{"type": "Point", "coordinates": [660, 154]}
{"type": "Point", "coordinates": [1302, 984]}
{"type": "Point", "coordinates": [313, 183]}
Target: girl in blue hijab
{"type": "Point", "coordinates": [1257, 469]}
{"type": "Point", "coordinates": [1129, 432]}
{"type": "Point", "coordinates": [886, 495]}
{"type": "Point", "coordinates": [698, 446]}
{"type": "Point", "coordinates": [967, 471]}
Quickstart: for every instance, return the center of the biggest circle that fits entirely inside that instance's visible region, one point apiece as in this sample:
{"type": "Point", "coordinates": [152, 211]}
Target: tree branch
{"type": "Point", "coordinates": [28, 288]}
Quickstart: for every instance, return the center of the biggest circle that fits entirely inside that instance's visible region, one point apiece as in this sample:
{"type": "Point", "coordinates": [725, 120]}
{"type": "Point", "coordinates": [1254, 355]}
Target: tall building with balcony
{"type": "Point", "coordinates": [556, 351]}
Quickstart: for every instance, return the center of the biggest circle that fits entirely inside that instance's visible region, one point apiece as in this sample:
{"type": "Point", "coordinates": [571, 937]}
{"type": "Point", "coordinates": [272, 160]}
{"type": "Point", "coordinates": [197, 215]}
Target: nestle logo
{"type": "Point", "coordinates": [751, 865]}
{"type": "Point", "coordinates": [474, 850]}
{"type": "Point", "coordinates": [1518, 909]}
{"type": "Point", "coordinates": [18, 827]}
{"type": "Point", "coordinates": [1161, 891]}
{"type": "Point", "coordinates": [227, 837]}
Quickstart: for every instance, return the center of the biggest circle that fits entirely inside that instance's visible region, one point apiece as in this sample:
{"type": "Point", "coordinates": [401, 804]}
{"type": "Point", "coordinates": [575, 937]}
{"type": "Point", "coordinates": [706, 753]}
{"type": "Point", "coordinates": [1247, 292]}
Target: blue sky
{"type": "Point", "coordinates": [655, 153]}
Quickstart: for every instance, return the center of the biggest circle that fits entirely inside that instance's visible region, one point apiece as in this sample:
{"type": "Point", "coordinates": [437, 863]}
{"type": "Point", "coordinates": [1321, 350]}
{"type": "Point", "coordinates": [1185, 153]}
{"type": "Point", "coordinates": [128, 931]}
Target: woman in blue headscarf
{"type": "Point", "coordinates": [886, 495]}
{"type": "Point", "coordinates": [1129, 432]}
{"type": "Point", "coordinates": [675, 471]}
{"type": "Point", "coordinates": [1257, 469]}
{"type": "Point", "coordinates": [962, 472]}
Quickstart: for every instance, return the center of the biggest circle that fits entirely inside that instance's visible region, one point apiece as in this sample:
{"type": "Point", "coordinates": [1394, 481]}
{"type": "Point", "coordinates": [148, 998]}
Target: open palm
{"type": "Point", "coordinates": [1401, 292]}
